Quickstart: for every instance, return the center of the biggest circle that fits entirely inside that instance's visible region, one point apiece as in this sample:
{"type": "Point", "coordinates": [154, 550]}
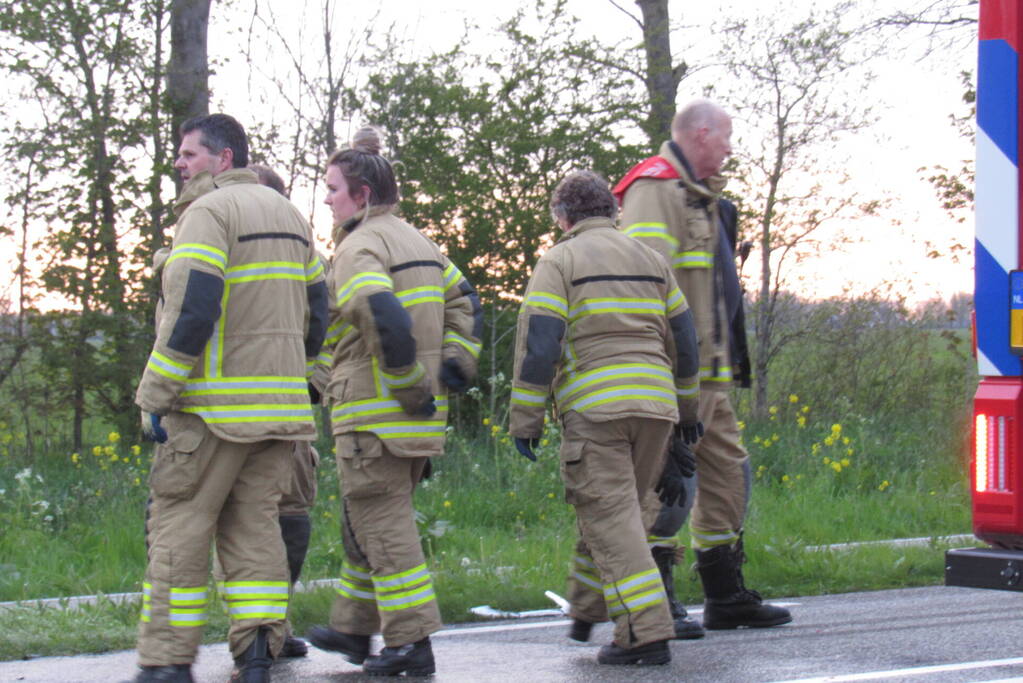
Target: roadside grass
{"type": "Point", "coordinates": [495, 527]}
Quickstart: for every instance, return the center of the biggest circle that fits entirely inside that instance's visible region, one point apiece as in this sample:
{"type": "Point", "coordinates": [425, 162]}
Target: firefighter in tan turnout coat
{"type": "Point", "coordinates": [669, 202]}
{"type": "Point", "coordinates": [605, 326]}
{"type": "Point", "coordinates": [405, 327]}
{"type": "Point", "coordinates": [224, 392]}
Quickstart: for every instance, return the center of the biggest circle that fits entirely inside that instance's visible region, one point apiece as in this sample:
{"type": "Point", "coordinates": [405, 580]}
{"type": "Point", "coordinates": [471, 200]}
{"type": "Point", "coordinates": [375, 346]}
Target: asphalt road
{"type": "Point", "coordinates": [916, 634]}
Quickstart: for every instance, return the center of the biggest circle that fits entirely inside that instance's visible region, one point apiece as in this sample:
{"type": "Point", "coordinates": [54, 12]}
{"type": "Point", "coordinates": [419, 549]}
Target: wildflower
{"type": "Point", "coordinates": [742, 425]}
{"type": "Point", "coordinates": [332, 497]}
{"type": "Point", "coordinates": [550, 495]}
{"type": "Point", "coordinates": [837, 466]}
{"type": "Point", "coordinates": [848, 451]}
{"type": "Point", "coordinates": [136, 449]}
{"type": "Point", "coordinates": [109, 451]}
{"type": "Point", "coordinates": [74, 458]}
{"type": "Point", "coordinates": [544, 442]}
{"type": "Point", "coordinates": [801, 421]}
{"type": "Point", "coordinates": [884, 484]}
{"type": "Point", "coordinates": [836, 429]}
{"type": "Point", "coordinates": [97, 451]}
{"type": "Point", "coordinates": [845, 462]}
{"type": "Point", "coordinates": [511, 494]}
{"type": "Point", "coordinates": [447, 503]}
{"type": "Point", "coordinates": [799, 476]}
{"type": "Point", "coordinates": [113, 437]}
{"type": "Point", "coordinates": [775, 438]}
{"type": "Point", "coordinates": [806, 409]}
{"type": "Point", "coordinates": [845, 440]}
{"type": "Point", "coordinates": [773, 410]}
{"type": "Point", "coordinates": [756, 439]}
{"type": "Point", "coordinates": [486, 421]}
{"type": "Point", "coordinates": [826, 460]}
{"type": "Point", "coordinates": [793, 398]}
{"type": "Point", "coordinates": [785, 478]}
{"type": "Point", "coordinates": [137, 481]}
{"type": "Point", "coordinates": [494, 429]}
{"type": "Point", "coordinates": [829, 441]}
{"type": "Point", "coordinates": [815, 449]}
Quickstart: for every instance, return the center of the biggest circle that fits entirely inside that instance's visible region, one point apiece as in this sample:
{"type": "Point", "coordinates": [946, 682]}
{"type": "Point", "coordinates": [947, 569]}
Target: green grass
{"type": "Point", "coordinates": [495, 527]}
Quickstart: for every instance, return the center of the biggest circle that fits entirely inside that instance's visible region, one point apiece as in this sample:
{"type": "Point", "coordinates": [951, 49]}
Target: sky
{"type": "Point", "coordinates": [912, 98]}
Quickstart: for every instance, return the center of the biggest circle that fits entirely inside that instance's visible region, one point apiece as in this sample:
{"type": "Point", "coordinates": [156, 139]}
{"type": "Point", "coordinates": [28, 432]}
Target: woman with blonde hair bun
{"type": "Point", "coordinates": [405, 329]}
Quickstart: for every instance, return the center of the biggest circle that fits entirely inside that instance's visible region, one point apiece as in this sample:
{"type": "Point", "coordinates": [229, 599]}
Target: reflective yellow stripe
{"type": "Point", "coordinates": [616, 305]}
{"type": "Point", "coordinates": [623, 371]}
{"type": "Point", "coordinates": [200, 252]}
{"type": "Point", "coordinates": [356, 409]}
{"type": "Point", "coordinates": [361, 280]}
{"type": "Point", "coordinates": [268, 270]}
{"type": "Point", "coordinates": [528, 397]}
{"type": "Point", "coordinates": [676, 301]}
{"type": "Point", "coordinates": [551, 302]}
{"type": "Point", "coordinates": [420, 295]}
{"type": "Point", "coordinates": [406, 380]}
{"type": "Point", "coordinates": [628, 392]}
{"type": "Point", "coordinates": [470, 346]}
{"type": "Point", "coordinates": [405, 430]}
{"type": "Point", "coordinates": [451, 276]}
{"type": "Point", "coordinates": [169, 368]}
{"type": "Point", "coordinates": [693, 259]}
{"type": "Point", "coordinates": [257, 412]}
{"type": "Point", "coordinates": [655, 230]}
{"type": "Point", "coordinates": [314, 269]}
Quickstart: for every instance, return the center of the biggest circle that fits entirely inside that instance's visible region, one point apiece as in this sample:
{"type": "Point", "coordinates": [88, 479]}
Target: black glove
{"type": "Point", "coordinates": [671, 489]}
{"type": "Point", "coordinates": [428, 408]}
{"type": "Point", "coordinates": [427, 470]}
{"type": "Point", "coordinates": [526, 447]}
{"type": "Point", "coordinates": [314, 394]}
{"type": "Point", "coordinates": [451, 374]}
{"type": "Point", "coordinates": [151, 428]}
{"type": "Point", "coordinates": [681, 454]}
{"type": "Point", "coordinates": [690, 432]}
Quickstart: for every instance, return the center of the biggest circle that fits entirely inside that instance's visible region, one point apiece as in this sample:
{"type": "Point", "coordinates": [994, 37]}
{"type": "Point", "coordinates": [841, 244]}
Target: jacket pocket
{"type": "Point", "coordinates": [177, 466]}
{"type": "Point", "coordinates": [360, 466]}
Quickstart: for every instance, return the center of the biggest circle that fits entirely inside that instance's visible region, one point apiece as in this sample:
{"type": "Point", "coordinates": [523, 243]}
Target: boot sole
{"type": "Point", "coordinates": [653, 659]}
{"type": "Point", "coordinates": [730, 625]}
{"type": "Point", "coordinates": [422, 672]}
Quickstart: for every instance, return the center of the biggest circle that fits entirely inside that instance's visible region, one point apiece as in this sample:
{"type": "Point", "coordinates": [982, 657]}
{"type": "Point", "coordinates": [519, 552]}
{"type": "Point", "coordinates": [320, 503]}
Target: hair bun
{"type": "Point", "coordinates": [367, 140]}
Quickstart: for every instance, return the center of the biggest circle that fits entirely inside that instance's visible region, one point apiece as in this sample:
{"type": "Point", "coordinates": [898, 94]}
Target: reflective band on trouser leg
{"type": "Point", "coordinates": [147, 602]}
{"type": "Point", "coordinates": [528, 397]}
{"type": "Point", "coordinates": [585, 572]}
{"type": "Point", "coordinates": [188, 606]}
{"type": "Point", "coordinates": [356, 583]}
{"type": "Point", "coordinates": [256, 599]}
{"type": "Point", "coordinates": [704, 540]}
{"type": "Point", "coordinates": [693, 259]}
{"type": "Point", "coordinates": [634, 593]}
{"type": "Point", "coordinates": [404, 590]}
{"type": "Point", "coordinates": [661, 542]}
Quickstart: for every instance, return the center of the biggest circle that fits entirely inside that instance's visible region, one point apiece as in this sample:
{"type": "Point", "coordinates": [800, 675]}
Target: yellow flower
{"type": "Point", "coordinates": [97, 451]}
{"type": "Point", "coordinates": [793, 398]}
{"type": "Point", "coordinates": [136, 449]}
{"type": "Point", "coordinates": [836, 429]}
{"type": "Point", "coordinates": [126, 459]}
{"type": "Point", "coordinates": [511, 494]}
{"type": "Point", "coordinates": [799, 476]}
{"type": "Point", "coordinates": [845, 462]}
{"type": "Point", "coordinates": [332, 497]}
{"type": "Point", "coordinates": [829, 441]}
{"type": "Point", "coordinates": [447, 503]}
{"type": "Point", "coordinates": [848, 451]}
{"type": "Point", "coordinates": [544, 442]}
{"type": "Point", "coordinates": [826, 460]}
{"type": "Point", "coordinates": [775, 438]}
{"type": "Point", "coordinates": [837, 466]}
{"type": "Point", "coordinates": [742, 425]}
{"type": "Point", "coordinates": [785, 477]}
{"type": "Point", "coordinates": [137, 481]}
{"type": "Point", "coordinates": [845, 440]}
{"type": "Point", "coordinates": [756, 439]}
{"type": "Point", "coordinates": [109, 450]}
{"type": "Point", "coordinates": [773, 410]}
{"type": "Point", "coordinates": [113, 437]}
{"type": "Point", "coordinates": [806, 409]}
{"type": "Point", "coordinates": [494, 429]}
{"type": "Point", "coordinates": [815, 449]}
{"type": "Point", "coordinates": [550, 495]}
{"type": "Point", "coordinates": [884, 485]}
{"type": "Point", "coordinates": [486, 421]}
{"type": "Point", "coordinates": [74, 457]}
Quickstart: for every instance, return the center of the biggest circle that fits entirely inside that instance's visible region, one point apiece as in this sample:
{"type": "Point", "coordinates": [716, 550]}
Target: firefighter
{"type": "Point", "coordinates": [244, 307]}
{"type": "Point", "coordinates": [605, 325]}
{"type": "Point", "coordinates": [408, 327]}
{"type": "Point", "coordinates": [669, 202]}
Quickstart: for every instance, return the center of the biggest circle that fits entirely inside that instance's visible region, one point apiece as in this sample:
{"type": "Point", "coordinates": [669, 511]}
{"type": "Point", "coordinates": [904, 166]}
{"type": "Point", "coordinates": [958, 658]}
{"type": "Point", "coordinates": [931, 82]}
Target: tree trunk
{"type": "Point", "coordinates": [662, 78]}
{"type": "Point", "coordinates": [188, 71]}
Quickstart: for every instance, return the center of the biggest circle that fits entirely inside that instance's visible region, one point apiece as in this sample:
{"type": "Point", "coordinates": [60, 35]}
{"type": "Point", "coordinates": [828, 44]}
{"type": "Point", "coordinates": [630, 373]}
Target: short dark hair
{"type": "Point", "coordinates": [363, 166]}
{"type": "Point", "coordinates": [582, 194]}
{"type": "Point", "coordinates": [268, 176]}
{"type": "Point", "coordinates": [219, 131]}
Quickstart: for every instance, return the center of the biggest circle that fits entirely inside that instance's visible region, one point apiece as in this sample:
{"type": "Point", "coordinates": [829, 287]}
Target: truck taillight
{"type": "Point", "coordinates": [993, 440]}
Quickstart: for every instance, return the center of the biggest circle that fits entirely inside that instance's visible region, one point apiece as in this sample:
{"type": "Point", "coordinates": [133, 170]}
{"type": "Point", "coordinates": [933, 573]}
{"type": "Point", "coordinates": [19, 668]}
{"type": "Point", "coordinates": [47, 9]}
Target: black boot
{"type": "Point", "coordinates": [686, 628]}
{"type": "Point", "coordinates": [414, 659]}
{"type": "Point", "coordinates": [174, 673]}
{"type": "Point", "coordinates": [580, 630]}
{"type": "Point", "coordinates": [354, 647]}
{"type": "Point", "coordinates": [253, 666]}
{"type": "Point", "coordinates": [644, 655]}
{"type": "Point", "coordinates": [729, 604]}
{"type": "Point", "coordinates": [293, 647]}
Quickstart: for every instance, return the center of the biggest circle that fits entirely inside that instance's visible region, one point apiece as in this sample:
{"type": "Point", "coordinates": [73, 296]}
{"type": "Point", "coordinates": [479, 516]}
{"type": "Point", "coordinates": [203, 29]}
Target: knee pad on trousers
{"type": "Point", "coordinates": [295, 530]}
{"type": "Point", "coordinates": [672, 518]}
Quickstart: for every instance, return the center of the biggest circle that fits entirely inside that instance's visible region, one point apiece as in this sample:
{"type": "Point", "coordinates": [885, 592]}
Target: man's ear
{"type": "Point", "coordinates": [226, 159]}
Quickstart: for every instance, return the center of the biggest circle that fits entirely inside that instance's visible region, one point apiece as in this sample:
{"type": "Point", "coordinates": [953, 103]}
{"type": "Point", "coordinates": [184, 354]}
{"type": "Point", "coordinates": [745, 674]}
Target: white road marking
{"type": "Point", "coordinates": [915, 671]}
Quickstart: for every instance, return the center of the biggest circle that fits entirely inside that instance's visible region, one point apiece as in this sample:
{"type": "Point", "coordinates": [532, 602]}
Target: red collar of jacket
{"type": "Point", "coordinates": [655, 167]}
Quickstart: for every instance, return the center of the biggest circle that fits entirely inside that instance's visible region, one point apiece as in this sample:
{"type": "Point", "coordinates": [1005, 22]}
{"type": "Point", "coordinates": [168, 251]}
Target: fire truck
{"type": "Point", "coordinates": [996, 465]}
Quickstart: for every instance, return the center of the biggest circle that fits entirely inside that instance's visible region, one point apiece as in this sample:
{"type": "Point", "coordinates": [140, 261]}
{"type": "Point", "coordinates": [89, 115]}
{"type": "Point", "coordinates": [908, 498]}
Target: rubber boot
{"type": "Point", "coordinates": [728, 603]}
{"type": "Point", "coordinates": [580, 630]}
{"type": "Point", "coordinates": [644, 655]}
{"type": "Point", "coordinates": [686, 628]}
{"type": "Point", "coordinates": [354, 647]}
{"type": "Point", "coordinates": [253, 666]}
{"type": "Point", "coordinates": [295, 531]}
{"type": "Point", "coordinates": [174, 673]}
{"type": "Point", "coordinates": [414, 659]}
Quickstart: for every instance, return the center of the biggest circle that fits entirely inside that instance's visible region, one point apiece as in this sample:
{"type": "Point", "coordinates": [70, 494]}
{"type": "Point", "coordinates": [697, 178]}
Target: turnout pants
{"type": "Point", "coordinates": [608, 469]}
{"type": "Point", "coordinates": [205, 488]}
{"type": "Point", "coordinates": [385, 584]}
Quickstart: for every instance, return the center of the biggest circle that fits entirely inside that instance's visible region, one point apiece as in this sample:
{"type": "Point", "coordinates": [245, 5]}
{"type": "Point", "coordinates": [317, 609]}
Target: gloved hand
{"type": "Point", "coordinates": [526, 446]}
{"type": "Point", "coordinates": [427, 470]}
{"type": "Point", "coordinates": [151, 429]}
{"type": "Point", "coordinates": [682, 455]}
{"type": "Point", "coordinates": [417, 400]}
{"type": "Point", "coordinates": [314, 394]}
{"type": "Point", "coordinates": [671, 489]}
{"type": "Point", "coordinates": [690, 432]}
{"type": "Point", "coordinates": [451, 374]}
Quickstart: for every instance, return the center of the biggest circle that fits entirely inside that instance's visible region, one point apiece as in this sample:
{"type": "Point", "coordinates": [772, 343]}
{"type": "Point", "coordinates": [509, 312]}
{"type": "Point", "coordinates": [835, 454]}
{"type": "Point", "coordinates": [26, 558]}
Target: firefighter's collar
{"type": "Point", "coordinates": [206, 182]}
{"type": "Point", "coordinates": [709, 188]}
{"type": "Point", "coordinates": [349, 226]}
{"type": "Point", "coordinates": [591, 223]}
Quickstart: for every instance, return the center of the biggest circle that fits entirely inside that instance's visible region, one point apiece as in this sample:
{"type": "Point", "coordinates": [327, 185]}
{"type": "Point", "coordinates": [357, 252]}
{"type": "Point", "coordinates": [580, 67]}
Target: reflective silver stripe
{"type": "Point", "coordinates": [590, 307]}
{"type": "Point", "coordinates": [169, 368]}
{"type": "Point", "coordinates": [451, 276]}
{"type": "Point", "coordinates": [410, 428]}
{"type": "Point", "coordinates": [693, 259]}
{"type": "Point", "coordinates": [256, 590]}
{"type": "Point", "coordinates": [229, 411]}
{"type": "Point", "coordinates": [587, 581]}
{"type": "Point", "coordinates": [359, 408]}
{"type": "Point", "coordinates": [357, 572]}
{"type": "Point", "coordinates": [179, 618]}
{"type": "Point", "coordinates": [584, 561]}
{"type": "Point", "coordinates": [408, 599]}
{"type": "Point", "coordinates": [626, 393]}
{"type": "Point", "coordinates": [470, 346]}
{"type": "Point", "coordinates": [528, 398]}
{"type": "Point", "coordinates": [277, 383]}
{"type": "Point", "coordinates": [549, 301]}
{"type": "Point", "coordinates": [575, 382]}
{"type": "Point", "coordinates": [350, 591]}
{"type": "Point", "coordinates": [406, 578]}
{"type": "Point", "coordinates": [406, 380]}
{"type": "Point", "coordinates": [632, 583]}
{"type": "Point", "coordinates": [265, 271]}
{"type": "Point", "coordinates": [267, 610]}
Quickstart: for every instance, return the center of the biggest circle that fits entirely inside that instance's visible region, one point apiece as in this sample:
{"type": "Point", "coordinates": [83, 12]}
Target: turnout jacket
{"type": "Point", "coordinates": [666, 209]}
{"type": "Point", "coordinates": [604, 323]}
{"type": "Point", "coordinates": [243, 312]}
{"type": "Point", "coordinates": [398, 308]}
